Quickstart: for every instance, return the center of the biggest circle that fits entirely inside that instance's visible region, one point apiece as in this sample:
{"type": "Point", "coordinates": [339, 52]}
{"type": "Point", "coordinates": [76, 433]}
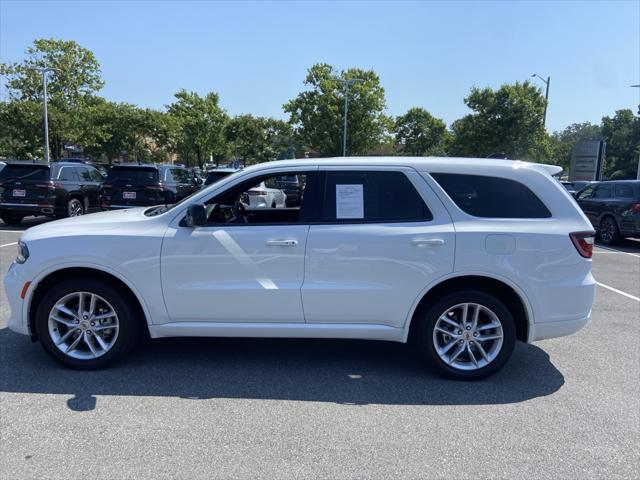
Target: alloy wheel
{"type": "Point", "coordinates": [83, 325]}
{"type": "Point", "coordinates": [75, 208]}
{"type": "Point", "coordinates": [607, 230]}
{"type": "Point", "coordinates": [468, 336]}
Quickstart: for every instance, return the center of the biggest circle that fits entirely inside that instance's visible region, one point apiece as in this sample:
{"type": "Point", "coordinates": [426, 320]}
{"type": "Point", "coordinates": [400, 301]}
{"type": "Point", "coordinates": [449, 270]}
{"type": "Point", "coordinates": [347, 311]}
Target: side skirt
{"type": "Point", "coordinates": [278, 330]}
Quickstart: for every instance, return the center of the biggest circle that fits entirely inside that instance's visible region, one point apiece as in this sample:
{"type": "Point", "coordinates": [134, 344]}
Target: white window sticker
{"type": "Point", "coordinates": [349, 201]}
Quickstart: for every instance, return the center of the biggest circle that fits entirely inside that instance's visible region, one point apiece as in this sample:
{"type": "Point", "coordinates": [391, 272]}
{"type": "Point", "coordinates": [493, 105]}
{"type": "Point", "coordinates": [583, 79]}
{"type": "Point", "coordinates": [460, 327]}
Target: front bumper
{"type": "Point", "coordinates": [14, 281]}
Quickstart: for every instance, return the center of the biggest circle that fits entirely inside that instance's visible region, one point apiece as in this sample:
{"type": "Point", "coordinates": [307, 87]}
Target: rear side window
{"type": "Point", "coordinates": [140, 175]}
{"type": "Point", "coordinates": [68, 174]}
{"type": "Point", "coordinates": [624, 191]}
{"type": "Point", "coordinates": [178, 175]}
{"type": "Point", "coordinates": [24, 172]}
{"type": "Point", "coordinates": [491, 197]}
{"type": "Point", "coordinates": [372, 196]}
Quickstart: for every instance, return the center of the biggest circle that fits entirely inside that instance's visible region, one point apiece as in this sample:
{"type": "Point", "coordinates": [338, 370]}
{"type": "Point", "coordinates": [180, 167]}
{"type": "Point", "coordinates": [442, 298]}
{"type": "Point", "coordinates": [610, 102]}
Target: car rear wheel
{"type": "Point", "coordinates": [85, 323]}
{"type": "Point", "coordinates": [608, 231]}
{"type": "Point", "coordinates": [467, 335]}
{"type": "Point", "coordinates": [75, 208]}
{"type": "Point", "coordinates": [11, 218]}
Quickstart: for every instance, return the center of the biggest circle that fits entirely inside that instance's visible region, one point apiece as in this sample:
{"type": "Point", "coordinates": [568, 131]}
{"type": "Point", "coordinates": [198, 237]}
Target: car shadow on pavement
{"type": "Point", "coordinates": [349, 372]}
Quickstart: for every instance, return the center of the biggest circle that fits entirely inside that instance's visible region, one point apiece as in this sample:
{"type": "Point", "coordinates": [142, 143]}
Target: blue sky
{"type": "Point", "coordinates": [428, 54]}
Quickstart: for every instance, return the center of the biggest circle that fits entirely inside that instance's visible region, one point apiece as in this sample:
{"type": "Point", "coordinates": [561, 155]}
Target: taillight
{"type": "Point", "coordinates": [157, 188]}
{"type": "Point", "coordinates": [51, 184]}
{"type": "Point", "coordinates": [635, 207]}
{"type": "Point", "coordinates": [583, 241]}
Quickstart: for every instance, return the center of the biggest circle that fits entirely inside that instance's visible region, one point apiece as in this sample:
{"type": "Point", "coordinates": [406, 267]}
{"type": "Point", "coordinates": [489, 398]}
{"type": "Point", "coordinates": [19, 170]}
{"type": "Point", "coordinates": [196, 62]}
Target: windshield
{"type": "Point", "coordinates": [133, 174]}
{"type": "Point", "coordinates": [25, 172]}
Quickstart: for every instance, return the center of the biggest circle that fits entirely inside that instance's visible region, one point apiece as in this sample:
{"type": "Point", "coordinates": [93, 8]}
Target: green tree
{"type": "Point", "coordinates": [317, 113]}
{"type": "Point", "coordinates": [506, 120]}
{"type": "Point", "coordinates": [199, 125]}
{"type": "Point", "coordinates": [563, 142]}
{"type": "Point", "coordinates": [417, 132]}
{"type": "Point", "coordinates": [258, 139]}
{"type": "Point", "coordinates": [21, 134]}
{"type": "Point", "coordinates": [72, 83]}
{"type": "Point", "coordinates": [622, 134]}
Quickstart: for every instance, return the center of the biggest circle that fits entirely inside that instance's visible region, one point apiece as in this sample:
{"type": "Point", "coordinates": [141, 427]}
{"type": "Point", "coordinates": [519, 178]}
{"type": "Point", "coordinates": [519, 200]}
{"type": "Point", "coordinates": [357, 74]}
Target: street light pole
{"type": "Point", "coordinates": [546, 96]}
{"type": "Point", "coordinates": [346, 83]}
{"type": "Point", "coordinates": [638, 174]}
{"type": "Point", "coordinates": [44, 72]}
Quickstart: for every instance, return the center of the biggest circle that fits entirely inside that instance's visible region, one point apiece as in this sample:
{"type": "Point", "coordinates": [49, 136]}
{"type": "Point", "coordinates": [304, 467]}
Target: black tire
{"type": "Point", "coordinates": [11, 218]}
{"type": "Point", "coordinates": [608, 232]}
{"type": "Point", "coordinates": [423, 341]}
{"type": "Point", "coordinates": [75, 207]}
{"type": "Point", "coordinates": [128, 325]}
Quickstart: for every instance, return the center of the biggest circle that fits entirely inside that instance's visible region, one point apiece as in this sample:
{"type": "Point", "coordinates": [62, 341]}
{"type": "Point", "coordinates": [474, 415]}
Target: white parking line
{"type": "Point", "coordinates": [8, 244]}
{"type": "Point", "coordinates": [628, 295]}
{"type": "Point", "coordinates": [613, 250]}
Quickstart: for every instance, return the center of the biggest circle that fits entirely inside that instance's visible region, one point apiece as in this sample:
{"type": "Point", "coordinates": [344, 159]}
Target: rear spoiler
{"type": "Point", "coordinates": [552, 170]}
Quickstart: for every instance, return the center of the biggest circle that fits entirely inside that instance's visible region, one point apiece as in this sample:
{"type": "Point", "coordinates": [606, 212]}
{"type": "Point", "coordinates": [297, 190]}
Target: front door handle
{"type": "Point", "coordinates": [427, 242]}
{"type": "Point", "coordinates": [282, 243]}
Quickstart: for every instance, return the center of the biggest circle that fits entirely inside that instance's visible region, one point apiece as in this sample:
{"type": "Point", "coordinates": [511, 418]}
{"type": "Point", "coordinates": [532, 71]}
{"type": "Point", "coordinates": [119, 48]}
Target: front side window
{"type": "Point", "coordinates": [178, 175]}
{"type": "Point", "coordinates": [602, 191]}
{"type": "Point", "coordinates": [95, 175]}
{"type": "Point", "coordinates": [371, 196]}
{"type": "Point", "coordinates": [491, 197]}
{"type": "Point", "coordinates": [83, 174]}
{"type": "Point", "coordinates": [586, 193]}
{"type": "Point", "coordinates": [258, 201]}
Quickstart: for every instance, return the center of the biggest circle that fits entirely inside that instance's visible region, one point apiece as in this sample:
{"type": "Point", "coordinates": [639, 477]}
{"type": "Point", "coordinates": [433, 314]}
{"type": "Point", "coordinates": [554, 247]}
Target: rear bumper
{"type": "Point", "coordinates": [542, 331]}
{"type": "Point", "coordinates": [29, 209]}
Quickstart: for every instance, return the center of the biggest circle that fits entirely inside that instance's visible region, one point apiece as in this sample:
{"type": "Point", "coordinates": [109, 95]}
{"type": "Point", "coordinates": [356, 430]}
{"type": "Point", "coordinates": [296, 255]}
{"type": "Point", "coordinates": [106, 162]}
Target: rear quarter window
{"type": "Point", "coordinates": [624, 191]}
{"type": "Point", "coordinates": [491, 197]}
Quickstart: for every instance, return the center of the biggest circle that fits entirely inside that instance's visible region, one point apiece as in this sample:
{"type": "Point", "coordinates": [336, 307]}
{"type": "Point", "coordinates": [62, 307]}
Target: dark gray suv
{"type": "Point", "coordinates": [613, 207]}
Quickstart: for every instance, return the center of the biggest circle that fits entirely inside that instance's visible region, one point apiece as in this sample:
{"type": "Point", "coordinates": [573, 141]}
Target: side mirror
{"type": "Point", "coordinates": [196, 216]}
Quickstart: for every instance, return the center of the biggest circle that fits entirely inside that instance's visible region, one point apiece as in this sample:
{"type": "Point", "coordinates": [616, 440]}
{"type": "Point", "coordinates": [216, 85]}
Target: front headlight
{"type": "Point", "coordinates": [23, 252]}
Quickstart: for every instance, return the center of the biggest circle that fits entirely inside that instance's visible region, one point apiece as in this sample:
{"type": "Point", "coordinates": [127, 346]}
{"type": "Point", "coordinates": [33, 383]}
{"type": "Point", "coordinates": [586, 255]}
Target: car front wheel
{"type": "Point", "coordinates": [467, 335]}
{"type": "Point", "coordinates": [85, 323]}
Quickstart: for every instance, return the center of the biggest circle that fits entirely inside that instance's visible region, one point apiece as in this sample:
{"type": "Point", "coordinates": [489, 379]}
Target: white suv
{"type": "Point", "coordinates": [460, 257]}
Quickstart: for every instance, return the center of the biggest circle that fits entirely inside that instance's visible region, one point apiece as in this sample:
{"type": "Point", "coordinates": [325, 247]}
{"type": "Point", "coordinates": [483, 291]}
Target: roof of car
{"type": "Point", "coordinates": [435, 164]}
{"type": "Point", "coordinates": [223, 170]}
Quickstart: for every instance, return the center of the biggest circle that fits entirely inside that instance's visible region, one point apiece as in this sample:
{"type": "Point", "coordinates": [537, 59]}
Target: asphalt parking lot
{"type": "Point", "coordinates": [240, 408]}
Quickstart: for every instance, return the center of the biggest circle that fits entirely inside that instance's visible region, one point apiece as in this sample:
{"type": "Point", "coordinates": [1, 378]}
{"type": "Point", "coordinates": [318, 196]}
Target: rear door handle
{"type": "Point", "coordinates": [282, 243]}
{"type": "Point", "coordinates": [427, 242]}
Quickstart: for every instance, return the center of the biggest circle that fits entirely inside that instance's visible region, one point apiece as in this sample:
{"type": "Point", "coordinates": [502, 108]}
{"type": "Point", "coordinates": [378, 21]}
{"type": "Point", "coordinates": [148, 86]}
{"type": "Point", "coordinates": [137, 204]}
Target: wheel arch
{"type": "Point", "coordinates": [514, 299]}
{"type": "Point", "coordinates": [39, 287]}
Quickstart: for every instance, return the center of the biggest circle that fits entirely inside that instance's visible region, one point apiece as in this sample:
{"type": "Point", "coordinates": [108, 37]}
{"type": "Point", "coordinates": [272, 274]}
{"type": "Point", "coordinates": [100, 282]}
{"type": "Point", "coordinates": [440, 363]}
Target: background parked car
{"type": "Point", "coordinates": [613, 207]}
{"type": "Point", "coordinates": [265, 195]}
{"type": "Point", "coordinates": [58, 189]}
{"type": "Point", "coordinates": [136, 185]}
{"type": "Point", "coordinates": [575, 187]}
{"type": "Point", "coordinates": [218, 174]}
{"type": "Point", "coordinates": [292, 186]}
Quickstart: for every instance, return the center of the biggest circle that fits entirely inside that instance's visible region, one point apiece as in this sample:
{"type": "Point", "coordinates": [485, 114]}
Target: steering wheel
{"type": "Point", "coordinates": [240, 212]}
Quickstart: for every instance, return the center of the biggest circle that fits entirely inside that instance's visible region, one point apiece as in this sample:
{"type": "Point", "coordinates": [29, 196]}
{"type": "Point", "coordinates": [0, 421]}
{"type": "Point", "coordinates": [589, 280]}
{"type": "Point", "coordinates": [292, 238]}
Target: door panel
{"type": "Point", "coordinates": [374, 272]}
{"type": "Point", "coordinates": [239, 273]}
